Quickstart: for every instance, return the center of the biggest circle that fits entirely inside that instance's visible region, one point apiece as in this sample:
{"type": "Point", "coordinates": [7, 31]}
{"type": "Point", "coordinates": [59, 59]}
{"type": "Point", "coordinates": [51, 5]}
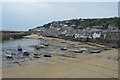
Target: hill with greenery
{"type": "Point", "coordinates": [85, 23]}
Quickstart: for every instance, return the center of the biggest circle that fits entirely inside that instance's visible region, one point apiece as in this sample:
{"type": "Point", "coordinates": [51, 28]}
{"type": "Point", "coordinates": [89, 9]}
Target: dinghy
{"type": "Point", "coordinates": [39, 46]}
{"type": "Point", "coordinates": [83, 49]}
{"type": "Point", "coordinates": [45, 44]}
{"type": "Point", "coordinates": [8, 56]}
{"type": "Point", "coordinates": [47, 55]}
{"type": "Point", "coordinates": [36, 55]}
{"type": "Point", "coordinates": [63, 42]}
{"type": "Point", "coordinates": [26, 53]}
{"type": "Point", "coordinates": [63, 48]}
{"type": "Point", "coordinates": [95, 51]}
{"type": "Point", "coordinates": [78, 51]}
{"type": "Point", "coordinates": [19, 48]}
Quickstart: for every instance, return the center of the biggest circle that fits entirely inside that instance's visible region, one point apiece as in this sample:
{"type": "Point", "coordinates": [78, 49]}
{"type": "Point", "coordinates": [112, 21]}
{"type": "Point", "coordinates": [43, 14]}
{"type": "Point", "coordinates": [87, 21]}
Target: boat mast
{"type": "Point", "coordinates": [18, 43]}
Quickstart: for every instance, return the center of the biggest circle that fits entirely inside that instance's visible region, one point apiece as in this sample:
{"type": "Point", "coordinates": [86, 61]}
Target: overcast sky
{"type": "Point", "coordinates": [27, 15]}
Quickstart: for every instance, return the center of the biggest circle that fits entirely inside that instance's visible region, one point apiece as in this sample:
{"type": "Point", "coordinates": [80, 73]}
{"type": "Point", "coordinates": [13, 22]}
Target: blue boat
{"type": "Point", "coordinates": [26, 53]}
{"type": "Point", "coordinates": [19, 49]}
{"type": "Point", "coordinates": [63, 48]}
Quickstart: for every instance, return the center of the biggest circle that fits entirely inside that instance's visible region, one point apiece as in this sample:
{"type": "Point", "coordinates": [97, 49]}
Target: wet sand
{"type": "Point", "coordinates": [84, 65]}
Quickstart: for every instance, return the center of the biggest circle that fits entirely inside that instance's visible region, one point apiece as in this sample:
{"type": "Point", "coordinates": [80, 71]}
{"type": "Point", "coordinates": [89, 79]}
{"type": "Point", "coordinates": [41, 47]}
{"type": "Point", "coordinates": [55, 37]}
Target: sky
{"type": "Point", "coordinates": [22, 16]}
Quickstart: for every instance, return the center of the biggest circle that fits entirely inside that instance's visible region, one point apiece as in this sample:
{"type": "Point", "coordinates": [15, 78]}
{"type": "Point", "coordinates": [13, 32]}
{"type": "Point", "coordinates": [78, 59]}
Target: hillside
{"type": "Point", "coordinates": [84, 23]}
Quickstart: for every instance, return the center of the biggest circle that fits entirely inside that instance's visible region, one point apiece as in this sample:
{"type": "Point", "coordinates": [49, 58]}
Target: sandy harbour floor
{"type": "Point", "coordinates": [84, 65]}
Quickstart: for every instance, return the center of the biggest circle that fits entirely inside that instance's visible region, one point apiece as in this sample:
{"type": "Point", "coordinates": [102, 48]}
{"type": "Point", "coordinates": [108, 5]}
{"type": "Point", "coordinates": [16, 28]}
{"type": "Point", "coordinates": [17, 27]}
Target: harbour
{"type": "Point", "coordinates": [58, 57]}
{"type": "Point", "coordinates": [59, 40]}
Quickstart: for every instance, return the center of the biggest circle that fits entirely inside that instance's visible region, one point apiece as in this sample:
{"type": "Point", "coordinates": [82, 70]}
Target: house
{"type": "Point", "coordinates": [109, 37]}
{"type": "Point", "coordinates": [112, 27]}
{"type": "Point", "coordinates": [96, 35]}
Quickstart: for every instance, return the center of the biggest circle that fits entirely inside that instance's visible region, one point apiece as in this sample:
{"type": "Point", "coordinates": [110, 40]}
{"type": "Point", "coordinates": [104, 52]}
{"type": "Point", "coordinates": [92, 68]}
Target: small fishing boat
{"type": "Point", "coordinates": [83, 49]}
{"type": "Point", "coordinates": [47, 55]}
{"type": "Point", "coordinates": [36, 55]}
{"type": "Point", "coordinates": [63, 48]}
{"type": "Point", "coordinates": [78, 51]}
{"type": "Point", "coordinates": [95, 51]}
{"type": "Point", "coordinates": [45, 44]}
{"type": "Point", "coordinates": [19, 48]}
{"type": "Point", "coordinates": [39, 46]}
{"type": "Point", "coordinates": [63, 42]}
{"type": "Point", "coordinates": [26, 53]}
{"type": "Point", "coordinates": [8, 56]}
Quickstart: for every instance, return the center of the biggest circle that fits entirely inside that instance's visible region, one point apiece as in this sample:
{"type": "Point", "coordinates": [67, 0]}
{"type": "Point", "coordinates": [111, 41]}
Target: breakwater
{"type": "Point", "coordinates": [5, 35]}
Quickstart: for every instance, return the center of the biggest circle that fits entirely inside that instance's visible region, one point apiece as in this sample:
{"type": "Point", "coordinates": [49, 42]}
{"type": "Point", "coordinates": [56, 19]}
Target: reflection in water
{"type": "Point", "coordinates": [19, 42]}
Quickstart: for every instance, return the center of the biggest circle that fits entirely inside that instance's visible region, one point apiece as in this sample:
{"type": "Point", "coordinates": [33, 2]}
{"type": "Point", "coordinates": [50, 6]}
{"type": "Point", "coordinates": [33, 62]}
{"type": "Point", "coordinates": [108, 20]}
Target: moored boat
{"type": "Point", "coordinates": [45, 44]}
{"type": "Point", "coordinates": [83, 49]}
{"type": "Point", "coordinates": [26, 53]}
{"type": "Point", "coordinates": [47, 54]}
{"type": "Point", "coordinates": [78, 51]}
{"type": "Point", "coordinates": [19, 48]}
{"type": "Point", "coordinates": [95, 51]}
{"type": "Point", "coordinates": [37, 55]}
{"type": "Point", "coordinates": [39, 46]}
{"type": "Point", "coordinates": [63, 48]}
{"type": "Point", "coordinates": [8, 56]}
{"type": "Point", "coordinates": [63, 42]}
